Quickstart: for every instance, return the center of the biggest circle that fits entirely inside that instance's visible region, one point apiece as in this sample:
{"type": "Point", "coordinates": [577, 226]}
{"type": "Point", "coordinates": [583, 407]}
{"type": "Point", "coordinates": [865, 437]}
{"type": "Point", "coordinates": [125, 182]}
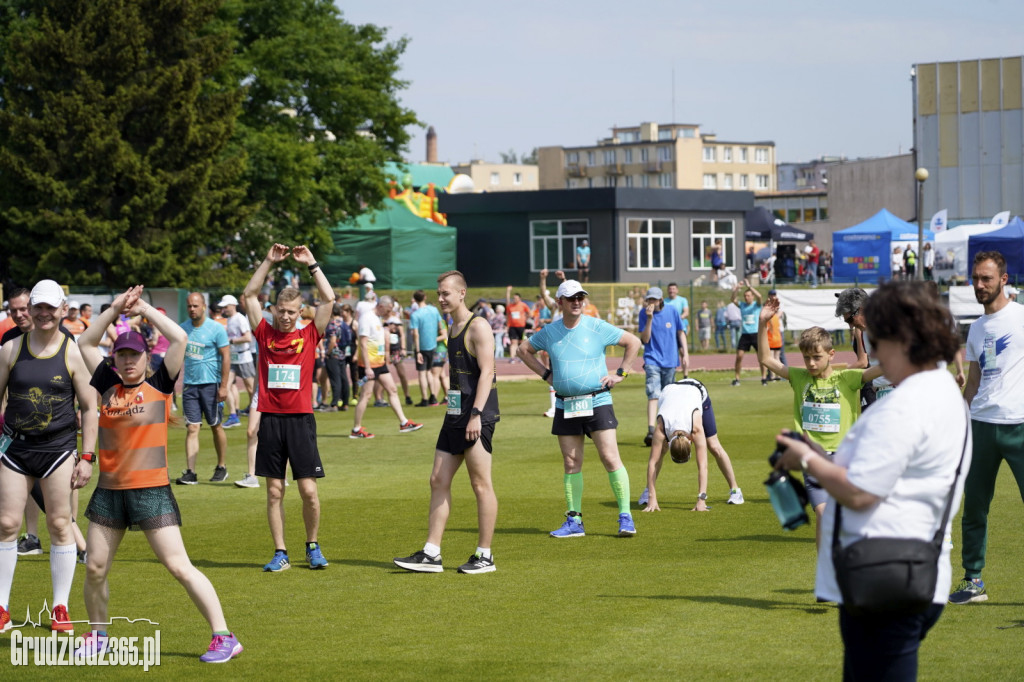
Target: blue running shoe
{"type": "Point", "coordinates": [278, 563]}
{"type": "Point", "coordinates": [572, 528]}
{"type": "Point", "coordinates": [232, 421]}
{"type": "Point", "coordinates": [315, 557]}
{"type": "Point", "coordinates": [626, 527]}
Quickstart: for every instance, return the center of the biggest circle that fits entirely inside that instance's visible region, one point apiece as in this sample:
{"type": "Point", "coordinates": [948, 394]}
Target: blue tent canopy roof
{"type": "Point", "coordinates": [884, 221]}
{"type": "Point", "coordinates": [1008, 241]}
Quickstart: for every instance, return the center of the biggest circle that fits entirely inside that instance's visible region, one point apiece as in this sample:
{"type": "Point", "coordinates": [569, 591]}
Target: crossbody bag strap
{"type": "Point", "coordinates": [940, 532]}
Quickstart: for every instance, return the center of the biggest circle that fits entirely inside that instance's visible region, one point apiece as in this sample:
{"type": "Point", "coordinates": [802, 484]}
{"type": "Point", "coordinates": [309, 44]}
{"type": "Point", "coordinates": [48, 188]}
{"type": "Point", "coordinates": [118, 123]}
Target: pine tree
{"type": "Point", "coordinates": [115, 153]}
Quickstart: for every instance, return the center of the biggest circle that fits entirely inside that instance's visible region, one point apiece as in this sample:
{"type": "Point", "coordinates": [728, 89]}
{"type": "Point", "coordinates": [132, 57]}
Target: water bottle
{"type": "Point", "coordinates": [786, 504]}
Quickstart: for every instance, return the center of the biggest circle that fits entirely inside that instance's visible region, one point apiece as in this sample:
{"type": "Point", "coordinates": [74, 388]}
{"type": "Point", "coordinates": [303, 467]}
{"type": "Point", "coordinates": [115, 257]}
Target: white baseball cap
{"type": "Point", "coordinates": [74, 304]}
{"type": "Point", "coordinates": [569, 288]}
{"type": "Point", "coordinates": [47, 291]}
{"type": "Point", "coordinates": [227, 300]}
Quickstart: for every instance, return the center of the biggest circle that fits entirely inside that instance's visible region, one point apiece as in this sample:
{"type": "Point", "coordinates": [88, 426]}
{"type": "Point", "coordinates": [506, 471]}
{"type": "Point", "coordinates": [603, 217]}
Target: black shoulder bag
{"type": "Point", "coordinates": [890, 575]}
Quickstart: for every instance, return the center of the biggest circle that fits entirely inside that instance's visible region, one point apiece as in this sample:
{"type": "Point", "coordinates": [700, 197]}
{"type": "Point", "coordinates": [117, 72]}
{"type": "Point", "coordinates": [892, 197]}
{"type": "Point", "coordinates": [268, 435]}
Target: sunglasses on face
{"type": "Point", "coordinates": [578, 298]}
{"type": "Point", "coordinates": [848, 318]}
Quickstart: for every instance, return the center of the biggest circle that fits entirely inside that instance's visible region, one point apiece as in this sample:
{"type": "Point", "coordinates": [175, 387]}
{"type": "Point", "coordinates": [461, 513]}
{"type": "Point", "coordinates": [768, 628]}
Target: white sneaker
{"type": "Point", "coordinates": [550, 414]}
{"type": "Point", "coordinates": [735, 496]}
{"type": "Point", "coordinates": [248, 481]}
{"type": "Point", "coordinates": [645, 498]}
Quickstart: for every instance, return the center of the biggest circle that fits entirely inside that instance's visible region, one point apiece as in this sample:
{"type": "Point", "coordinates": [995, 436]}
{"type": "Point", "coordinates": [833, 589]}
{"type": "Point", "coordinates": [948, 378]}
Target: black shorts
{"type": "Point", "coordinates": [135, 509]}
{"type": "Point", "coordinates": [34, 463]}
{"type": "Point", "coordinates": [516, 333]}
{"type": "Point", "coordinates": [288, 438]}
{"type": "Point", "coordinates": [747, 342]}
{"type": "Point", "coordinates": [428, 360]}
{"type": "Point", "coordinates": [815, 493]}
{"type": "Point", "coordinates": [377, 371]}
{"type": "Point", "coordinates": [602, 419]}
{"type": "Point", "coordinates": [453, 440]}
{"type": "Point", "coordinates": [318, 364]}
{"type": "Point", "coordinates": [440, 357]}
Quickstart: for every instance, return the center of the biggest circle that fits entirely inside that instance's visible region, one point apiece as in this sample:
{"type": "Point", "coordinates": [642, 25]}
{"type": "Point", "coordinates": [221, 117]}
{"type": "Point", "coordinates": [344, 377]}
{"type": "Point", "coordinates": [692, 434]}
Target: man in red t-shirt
{"type": "Point", "coordinates": [517, 313]}
{"type": "Point", "coordinates": [813, 256]}
{"type": "Point", "coordinates": [287, 432]}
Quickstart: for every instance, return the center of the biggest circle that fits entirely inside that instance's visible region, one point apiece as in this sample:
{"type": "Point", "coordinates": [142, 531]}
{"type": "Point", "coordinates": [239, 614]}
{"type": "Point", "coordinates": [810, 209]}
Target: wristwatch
{"type": "Point", "coordinates": [703, 497]}
{"type": "Point", "coordinates": [621, 373]}
{"type": "Point", "coordinates": [87, 457]}
{"type": "Point", "coordinates": [475, 412]}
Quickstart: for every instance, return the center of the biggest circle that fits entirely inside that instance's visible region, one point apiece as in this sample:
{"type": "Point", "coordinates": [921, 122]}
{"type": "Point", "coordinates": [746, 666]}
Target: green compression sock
{"type": "Point", "coordinates": [574, 492]}
{"type": "Point", "coordinates": [620, 486]}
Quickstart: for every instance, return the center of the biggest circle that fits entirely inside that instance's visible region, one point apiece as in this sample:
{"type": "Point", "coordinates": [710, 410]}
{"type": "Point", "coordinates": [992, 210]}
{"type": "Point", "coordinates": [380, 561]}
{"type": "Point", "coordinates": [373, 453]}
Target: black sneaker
{"type": "Point", "coordinates": [29, 544]}
{"type": "Point", "coordinates": [735, 382]}
{"type": "Point", "coordinates": [478, 564]}
{"type": "Point", "coordinates": [422, 403]}
{"type": "Point", "coordinates": [648, 439]}
{"type": "Point", "coordinates": [421, 562]}
{"type": "Point", "coordinates": [764, 382]}
{"type": "Point", "coordinates": [219, 474]}
{"type": "Point", "coordinates": [408, 400]}
{"type": "Point", "coordinates": [188, 477]}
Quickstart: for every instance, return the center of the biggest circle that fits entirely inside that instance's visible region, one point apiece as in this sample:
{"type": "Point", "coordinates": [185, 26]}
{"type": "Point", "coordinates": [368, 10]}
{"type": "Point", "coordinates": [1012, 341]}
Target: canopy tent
{"type": "Point", "coordinates": [1008, 241]}
{"type": "Point", "coordinates": [951, 250]}
{"type": "Point", "coordinates": [403, 250]}
{"type": "Point", "coordinates": [862, 253]}
{"type": "Point", "coordinates": [761, 225]}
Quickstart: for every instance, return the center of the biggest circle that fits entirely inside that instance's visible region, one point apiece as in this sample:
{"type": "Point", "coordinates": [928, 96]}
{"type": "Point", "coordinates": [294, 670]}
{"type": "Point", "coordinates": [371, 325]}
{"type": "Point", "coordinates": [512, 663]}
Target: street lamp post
{"type": "Point", "coordinates": [921, 174]}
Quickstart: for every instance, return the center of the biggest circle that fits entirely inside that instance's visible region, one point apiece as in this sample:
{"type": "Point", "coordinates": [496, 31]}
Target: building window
{"type": "Point", "coordinates": [760, 155]}
{"type": "Point", "coordinates": [627, 155]}
{"type": "Point", "coordinates": [687, 132]}
{"type": "Point", "coordinates": [553, 243]}
{"type": "Point", "coordinates": [629, 180]}
{"type": "Point", "coordinates": [598, 181]}
{"type": "Point", "coordinates": [727, 154]}
{"type": "Point", "coordinates": [762, 181]}
{"type": "Point", "coordinates": [709, 153]}
{"type": "Point", "coordinates": [572, 157]}
{"type": "Point", "coordinates": [650, 244]}
{"type": "Point", "coordinates": [705, 234]}
{"type": "Point", "coordinates": [645, 180]}
{"type": "Point", "coordinates": [710, 181]}
{"type": "Point", "coordinates": [665, 180]}
{"type": "Point", "coordinates": [611, 181]}
{"type": "Point", "coordinates": [495, 179]}
{"type": "Point", "coordinates": [743, 154]}
{"type": "Point", "coordinates": [609, 157]}
{"type": "Point", "coordinates": [629, 136]}
{"type": "Point", "coordinates": [665, 134]}
{"type": "Point", "coordinates": [574, 183]}
{"type": "Point", "coordinates": [664, 153]}
{"type": "Point", "coordinates": [744, 182]}
{"type": "Point", "coordinates": [590, 158]}
{"type": "Point", "coordinates": [590, 183]}
{"type": "Point", "coordinates": [727, 181]}
{"type": "Point", "coordinates": [517, 178]}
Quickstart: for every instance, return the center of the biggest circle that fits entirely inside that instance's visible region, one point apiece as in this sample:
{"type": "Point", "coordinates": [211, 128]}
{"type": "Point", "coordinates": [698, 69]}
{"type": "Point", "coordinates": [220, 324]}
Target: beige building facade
{"type": "Point", "coordinates": [661, 156]}
{"type": "Point", "coordinates": [500, 177]}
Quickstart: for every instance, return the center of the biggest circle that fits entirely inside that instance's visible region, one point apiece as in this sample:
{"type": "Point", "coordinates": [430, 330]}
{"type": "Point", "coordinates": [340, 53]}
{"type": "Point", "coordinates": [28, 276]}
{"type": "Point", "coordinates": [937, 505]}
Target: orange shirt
{"type": "Point", "coordinates": [6, 324]}
{"type": "Point", "coordinates": [517, 314]}
{"type": "Point", "coordinates": [76, 326]}
{"type": "Point", "coordinates": [591, 310]}
{"type": "Point", "coordinates": [133, 430]}
{"type": "Point", "coordinates": [774, 332]}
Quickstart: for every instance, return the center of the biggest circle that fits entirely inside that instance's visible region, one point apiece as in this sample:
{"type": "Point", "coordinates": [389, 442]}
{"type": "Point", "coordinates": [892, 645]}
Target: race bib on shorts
{"type": "Point", "coordinates": [578, 406]}
{"type": "Point", "coordinates": [455, 403]}
{"type": "Point", "coordinates": [235, 355]}
{"type": "Point", "coordinates": [283, 376]}
{"type": "Point", "coordinates": [821, 417]}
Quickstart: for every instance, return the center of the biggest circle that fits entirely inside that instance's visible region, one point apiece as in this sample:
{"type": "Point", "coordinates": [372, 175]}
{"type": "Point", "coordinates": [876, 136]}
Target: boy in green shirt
{"type": "Point", "coordinates": [826, 401]}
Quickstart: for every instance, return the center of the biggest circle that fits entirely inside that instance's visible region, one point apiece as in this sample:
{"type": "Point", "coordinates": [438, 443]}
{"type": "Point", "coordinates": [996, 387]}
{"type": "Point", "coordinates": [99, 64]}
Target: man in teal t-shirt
{"type": "Point", "coordinates": [750, 307]}
{"type": "Point", "coordinates": [579, 374]}
{"type": "Point", "coordinates": [206, 374]}
{"type": "Point", "coordinates": [426, 325]}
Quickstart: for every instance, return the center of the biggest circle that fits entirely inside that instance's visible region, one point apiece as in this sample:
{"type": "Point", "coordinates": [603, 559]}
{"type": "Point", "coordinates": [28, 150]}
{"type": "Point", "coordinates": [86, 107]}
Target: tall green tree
{"type": "Point", "coordinates": [320, 117]}
{"type": "Point", "coordinates": [115, 162]}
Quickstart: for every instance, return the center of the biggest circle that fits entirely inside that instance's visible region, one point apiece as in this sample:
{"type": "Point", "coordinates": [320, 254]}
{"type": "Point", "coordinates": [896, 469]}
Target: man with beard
{"type": "Point", "coordinates": [995, 353]}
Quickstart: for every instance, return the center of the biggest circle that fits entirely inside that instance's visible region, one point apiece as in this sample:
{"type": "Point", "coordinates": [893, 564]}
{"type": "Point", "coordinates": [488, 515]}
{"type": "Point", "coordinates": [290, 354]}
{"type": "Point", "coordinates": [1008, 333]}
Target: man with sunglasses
{"type": "Point", "coordinates": [849, 304]}
{"type": "Point", "coordinates": [579, 373]}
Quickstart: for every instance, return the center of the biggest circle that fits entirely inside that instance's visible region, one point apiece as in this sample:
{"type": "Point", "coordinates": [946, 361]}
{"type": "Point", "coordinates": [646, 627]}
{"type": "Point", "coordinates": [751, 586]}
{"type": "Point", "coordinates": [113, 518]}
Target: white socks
{"type": "Point", "coordinates": [8, 560]}
{"type": "Point", "coordinates": [62, 571]}
{"type": "Point", "coordinates": [432, 550]}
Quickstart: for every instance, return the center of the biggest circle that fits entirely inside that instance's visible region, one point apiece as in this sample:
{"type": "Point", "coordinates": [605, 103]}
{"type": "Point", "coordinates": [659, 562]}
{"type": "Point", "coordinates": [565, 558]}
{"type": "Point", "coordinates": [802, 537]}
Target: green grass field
{"type": "Point", "coordinates": [722, 595]}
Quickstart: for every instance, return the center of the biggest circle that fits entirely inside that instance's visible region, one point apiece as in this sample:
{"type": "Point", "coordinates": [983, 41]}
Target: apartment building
{"type": "Point", "coordinates": [499, 177]}
{"type": "Point", "coordinates": [660, 156]}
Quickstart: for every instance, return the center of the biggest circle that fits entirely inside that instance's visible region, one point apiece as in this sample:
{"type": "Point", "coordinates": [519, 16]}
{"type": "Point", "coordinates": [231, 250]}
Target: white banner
{"type": "Point", "coordinates": [806, 308]}
{"type": "Point", "coordinates": [938, 223]}
{"type": "Point", "coordinates": [1001, 218]}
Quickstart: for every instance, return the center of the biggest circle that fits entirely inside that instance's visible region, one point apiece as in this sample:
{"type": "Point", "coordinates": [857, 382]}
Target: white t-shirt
{"type": "Point", "coordinates": [677, 404]}
{"type": "Point", "coordinates": [365, 309]}
{"type": "Point", "coordinates": [366, 274]}
{"type": "Point", "coordinates": [882, 385]}
{"type": "Point", "coordinates": [238, 325]}
{"type": "Point", "coordinates": [905, 449]}
{"type": "Point", "coordinates": [996, 343]}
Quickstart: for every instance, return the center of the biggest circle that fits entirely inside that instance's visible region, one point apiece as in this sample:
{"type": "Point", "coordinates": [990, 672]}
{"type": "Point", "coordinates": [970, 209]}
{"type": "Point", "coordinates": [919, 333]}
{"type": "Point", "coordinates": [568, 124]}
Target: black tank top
{"type": "Point", "coordinates": [464, 373]}
{"type": "Point", "coordinates": [41, 398]}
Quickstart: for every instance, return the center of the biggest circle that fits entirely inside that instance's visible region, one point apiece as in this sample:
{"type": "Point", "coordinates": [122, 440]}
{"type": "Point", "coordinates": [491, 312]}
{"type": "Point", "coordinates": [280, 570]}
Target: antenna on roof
{"type": "Point", "coordinates": [673, 93]}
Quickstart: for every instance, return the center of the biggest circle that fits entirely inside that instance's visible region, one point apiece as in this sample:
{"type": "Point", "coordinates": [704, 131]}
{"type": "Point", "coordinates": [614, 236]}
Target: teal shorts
{"type": "Point", "coordinates": [136, 509]}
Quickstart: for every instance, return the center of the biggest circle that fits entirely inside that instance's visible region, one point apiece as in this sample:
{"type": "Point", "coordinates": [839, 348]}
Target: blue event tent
{"type": "Point", "coordinates": [1008, 241]}
{"type": "Point", "coordinates": [862, 253]}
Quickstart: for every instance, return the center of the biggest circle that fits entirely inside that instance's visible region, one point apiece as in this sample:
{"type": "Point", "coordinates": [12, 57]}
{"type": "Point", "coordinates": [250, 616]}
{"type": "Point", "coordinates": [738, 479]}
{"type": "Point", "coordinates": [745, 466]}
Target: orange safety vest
{"type": "Point", "coordinates": [775, 332]}
{"type": "Point", "coordinates": [133, 438]}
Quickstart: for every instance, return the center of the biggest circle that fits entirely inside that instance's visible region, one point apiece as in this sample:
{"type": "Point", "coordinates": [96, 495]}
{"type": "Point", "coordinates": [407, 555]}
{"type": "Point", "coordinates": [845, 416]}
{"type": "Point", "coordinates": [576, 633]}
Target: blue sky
{"type": "Point", "coordinates": [816, 78]}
